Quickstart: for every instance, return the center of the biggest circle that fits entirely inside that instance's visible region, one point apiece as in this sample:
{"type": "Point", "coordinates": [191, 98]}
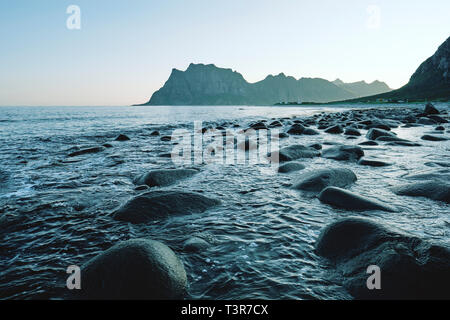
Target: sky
{"type": "Point", "coordinates": [125, 50]}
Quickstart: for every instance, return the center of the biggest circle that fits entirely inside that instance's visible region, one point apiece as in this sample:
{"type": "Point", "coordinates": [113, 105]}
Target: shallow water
{"type": "Point", "coordinates": [263, 234]}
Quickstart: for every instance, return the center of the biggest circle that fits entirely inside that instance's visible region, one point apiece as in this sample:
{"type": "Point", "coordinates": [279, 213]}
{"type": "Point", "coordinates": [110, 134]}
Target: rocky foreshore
{"type": "Point", "coordinates": [411, 267]}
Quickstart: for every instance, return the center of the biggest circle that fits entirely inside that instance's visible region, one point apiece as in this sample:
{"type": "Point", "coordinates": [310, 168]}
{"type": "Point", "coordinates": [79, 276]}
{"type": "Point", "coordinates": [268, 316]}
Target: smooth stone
{"type": "Point", "coordinates": [296, 129]}
{"type": "Point", "coordinates": [426, 121]}
{"type": "Point", "coordinates": [342, 153]}
{"type": "Point", "coordinates": [430, 137]}
{"type": "Point", "coordinates": [403, 144]}
{"type": "Point", "coordinates": [336, 129]}
{"type": "Point", "coordinates": [411, 268]}
{"type": "Point", "coordinates": [435, 190]}
{"type": "Point", "coordinates": [310, 132]}
{"type": "Point", "coordinates": [164, 177]}
{"type": "Point", "coordinates": [439, 128]}
{"type": "Point", "coordinates": [437, 119]}
{"type": "Point", "coordinates": [195, 244]}
{"type": "Point", "coordinates": [290, 167]}
{"type": "Point", "coordinates": [316, 146]}
{"type": "Point", "coordinates": [373, 163]}
{"type": "Point", "coordinates": [158, 204]}
{"type": "Point", "coordinates": [122, 137]}
{"type": "Point", "coordinates": [134, 269]}
{"type": "Point", "coordinates": [368, 143]}
{"type": "Point", "coordinates": [374, 133]}
{"type": "Point", "coordinates": [283, 135]}
{"type": "Point", "coordinates": [352, 132]}
{"type": "Point", "coordinates": [86, 151]}
{"type": "Point", "coordinates": [295, 152]}
{"type": "Point", "coordinates": [166, 138]}
{"type": "Point", "coordinates": [155, 133]}
{"type": "Point", "coordinates": [317, 180]}
{"type": "Point", "coordinates": [345, 199]}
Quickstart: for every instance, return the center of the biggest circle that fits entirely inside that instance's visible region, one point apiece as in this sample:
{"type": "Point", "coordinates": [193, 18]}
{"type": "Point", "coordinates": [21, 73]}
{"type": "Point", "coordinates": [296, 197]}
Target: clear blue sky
{"type": "Point", "coordinates": [126, 49]}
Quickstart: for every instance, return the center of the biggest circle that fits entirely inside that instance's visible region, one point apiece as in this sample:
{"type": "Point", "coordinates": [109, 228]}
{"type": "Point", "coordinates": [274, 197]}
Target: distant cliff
{"type": "Point", "coordinates": [362, 88]}
{"type": "Point", "coordinates": [431, 81]}
{"type": "Point", "coordinates": [209, 85]}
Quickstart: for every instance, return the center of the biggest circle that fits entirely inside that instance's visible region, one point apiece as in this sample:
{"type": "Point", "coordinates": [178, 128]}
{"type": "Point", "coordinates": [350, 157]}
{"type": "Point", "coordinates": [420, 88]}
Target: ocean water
{"type": "Point", "coordinates": [263, 233]}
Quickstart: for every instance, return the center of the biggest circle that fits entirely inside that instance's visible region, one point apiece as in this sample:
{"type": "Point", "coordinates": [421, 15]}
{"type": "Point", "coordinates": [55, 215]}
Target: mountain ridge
{"type": "Point", "coordinates": [207, 84]}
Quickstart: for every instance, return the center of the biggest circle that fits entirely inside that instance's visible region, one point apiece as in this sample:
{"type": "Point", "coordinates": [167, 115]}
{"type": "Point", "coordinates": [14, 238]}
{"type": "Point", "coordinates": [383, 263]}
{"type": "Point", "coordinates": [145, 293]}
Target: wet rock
{"type": "Point", "coordinates": [107, 145]}
{"type": "Point", "coordinates": [439, 128]}
{"type": "Point", "coordinates": [258, 126]}
{"type": "Point", "coordinates": [295, 152]}
{"type": "Point", "coordinates": [155, 133]}
{"type": "Point", "coordinates": [342, 153]}
{"type": "Point", "coordinates": [122, 137]}
{"type": "Point", "coordinates": [157, 204]}
{"type": "Point", "coordinates": [368, 143]}
{"type": "Point", "coordinates": [435, 190]}
{"type": "Point", "coordinates": [134, 269]}
{"type": "Point", "coordinates": [345, 199]}
{"type": "Point", "coordinates": [164, 177]}
{"type": "Point", "coordinates": [410, 267]}
{"type": "Point", "coordinates": [86, 151]}
{"type": "Point", "coordinates": [372, 163]}
{"type": "Point", "coordinates": [352, 132]}
{"type": "Point", "coordinates": [430, 137]}
{"type": "Point", "coordinates": [317, 180]}
{"type": "Point", "coordinates": [336, 129]}
{"type": "Point", "coordinates": [141, 187]}
{"type": "Point", "coordinates": [437, 119]}
{"type": "Point", "coordinates": [290, 167]}
{"type": "Point", "coordinates": [389, 138]}
{"type": "Point", "coordinates": [296, 129]}
{"type": "Point", "coordinates": [316, 146]}
{"type": "Point", "coordinates": [374, 133]}
{"type": "Point", "coordinates": [310, 132]}
{"type": "Point", "coordinates": [426, 121]}
{"type": "Point", "coordinates": [166, 138]}
{"type": "Point", "coordinates": [283, 135]}
{"type": "Point", "coordinates": [195, 244]}
{"type": "Point", "coordinates": [275, 123]}
{"type": "Point", "coordinates": [430, 109]}
{"type": "Point", "coordinates": [403, 144]}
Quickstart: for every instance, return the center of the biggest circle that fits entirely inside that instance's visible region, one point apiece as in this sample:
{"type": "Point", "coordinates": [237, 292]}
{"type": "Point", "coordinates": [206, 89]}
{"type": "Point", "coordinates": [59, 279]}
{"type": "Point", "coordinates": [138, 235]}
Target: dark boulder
{"type": "Point", "coordinates": [134, 269]}
{"type": "Point", "coordinates": [317, 180]}
{"type": "Point", "coordinates": [336, 129]}
{"type": "Point", "coordinates": [290, 167]}
{"type": "Point", "coordinates": [430, 137]}
{"type": "Point", "coordinates": [122, 137]}
{"type": "Point", "coordinates": [426, 121]}
{"type": "Point", "coordinates": [345, 152]}
{"type": "Point", "coordinates": [430, 109]}
{"type": "Point", "coordinates": [345, 199]}
{"type": "Point", "coordinates": [368, 143]}
{"type": "Point", "coordinates": [164, 177]}
{"type": "Point", "coordinates": [296, 129]}
{"type": "Point", "coordinates": [154, 133]}
{"type": "Point", "coordinates": [435, 190]}
{"type": "Point", "coordinates": [352, 132]}
{"type": "Point", "coordinates": [372, 163]}
{"type": "Point", "coordinates": [86, 151]}
{"type": "Point", "coordinates": [411, 268]}
{"type": "Point", "coordinates": [374, 133]}
{"type": "Point", "coordinates": [157, 204]}
{"type": "Point", "coordinates": [310, 132]}
{"type": "Point", "coordinates": [195, 244]}
{"type": "Point", "coordinates": [294, 152]}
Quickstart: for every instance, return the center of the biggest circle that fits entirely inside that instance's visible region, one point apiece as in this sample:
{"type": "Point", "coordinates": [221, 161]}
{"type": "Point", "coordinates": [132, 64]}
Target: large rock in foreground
{"type": "Point", "coordinates": [410, 267]}
{"type": "Point", "coordinates": [435, 190]}
{"type": "Point", "coordinates": [164, 177]}
{"type": "Point", "coordinates": [345, 199]}
{"type": "Point", "coordinates": [319, 179]}
{"type": "Point", "coordinates": [157, 204]}
{"type": "Point", "coordinates": [352, 153]}
{"type": "Point", "coordinates": [294, 152]}
{"type": "Point", "coordinates": [374, 133]}
{"type": "Point", "coordinates": [134, 269]}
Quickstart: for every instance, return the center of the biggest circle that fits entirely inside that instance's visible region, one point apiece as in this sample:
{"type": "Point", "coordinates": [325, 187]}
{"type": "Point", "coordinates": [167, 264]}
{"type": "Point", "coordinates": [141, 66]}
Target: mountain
{"type": "Point", "coordinates": [204, 84]}
{"type": "Point", "coordinates": [431, 81]}
{"type": "Point", "coordinates": [362, 88]}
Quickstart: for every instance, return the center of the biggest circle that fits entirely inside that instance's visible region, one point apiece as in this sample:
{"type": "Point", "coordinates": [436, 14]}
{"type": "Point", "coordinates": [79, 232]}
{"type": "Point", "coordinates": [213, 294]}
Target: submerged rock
{"type": "Point", "coordinates": [430, 137]}
{"type": "Point", "coordinates": [290, 167]}
{"type": "Point", "coordinates": [122, 137]}
{"type": "Point", "coordinates": [345, 152]}
{"type": "Point", "coordinates": [410, 267]}
{"type": "Point", "coordinates": [164, 177]}
{"type": "Point", "coordinates": [337, 129]}
{"type": "Point", "coordinates": [368, 143]}
{"type": "Point", "coordinates": [195, 244]}
{"type": "Point", "coordinates": [86, 151]}
{"type": "Point", "coordinates": [374, 133]}
{"type": "Point", "coordinates": [319, 179]}
{"type": "Point", "coordinates": [295, 152]}
{"type": "Point", "coordinates": [373, 163]}
{"type": "Point", "coordinates": [435, 190]}
{"type": "Point", "coordinates": [134, 269]}
{"type": "Point", "coordinates": [296, 128]}
{"type": "Point", "coordinates": [157, 204]}
{"type": "Point", "coordinates": [345, 199]}
{"type": "Point", "coordinates": [430, 109]}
